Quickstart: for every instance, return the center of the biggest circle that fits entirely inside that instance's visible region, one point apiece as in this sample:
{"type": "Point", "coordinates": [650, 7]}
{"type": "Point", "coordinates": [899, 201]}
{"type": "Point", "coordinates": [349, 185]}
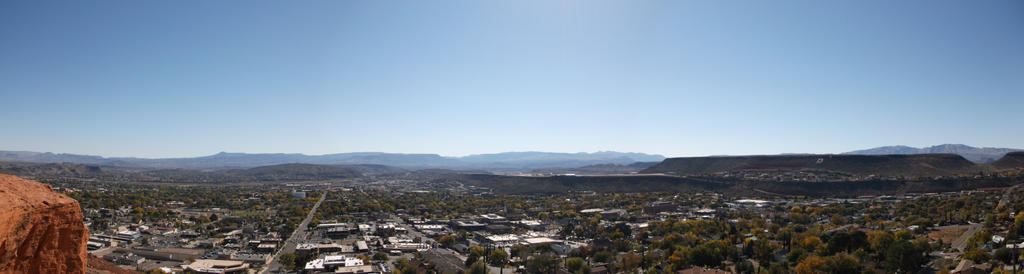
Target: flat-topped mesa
{"type": "Point", "coordinates": [884, 165]}
{"type": "Point", "coordinates": [1012, 160]}
{"type": "Point", "coordinates": [41, 231]}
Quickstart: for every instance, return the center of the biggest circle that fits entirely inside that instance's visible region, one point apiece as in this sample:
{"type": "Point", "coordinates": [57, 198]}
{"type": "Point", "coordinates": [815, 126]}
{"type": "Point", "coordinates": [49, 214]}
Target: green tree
{"type": "Point", "coordinates": [380, 256]}
{"type": "Point", "coordinates": [574, 264]}
{"type": "Point", "coordinates": [447, 240]}
{"type": "Point", "coordinates": [288, 260]}
{"type": "Point", "coordinates": [904, 256]}
{"type": "Point", "coordinates": [478, 268]}
{"type": "Point", "coordinates": [764, 251]}
{"type": "Point", "coordinates": [977, 255]}
{"type": "Point", "coordinates": [1017, 229]}
{"type": "Point", "coordinates": [880, 240]}
{"type": "Point", "coordinates": [475, 254]}
{"type": "Point", "coordinates": [603, 256]}
{"type": "Point", "coordinates": [795, 255]}
{"type": "Point", "coordinates": [842, 263]}
{"type": "Point", "coordinates": [744, 267]}
{"type": "Point", "coordinates": [477, 251]}
{"type": "Point", "coordinates": [402, 263]}
{"type": "Point", "coordinates": [543, 263]}
{"type": "Point", "coordinates": [498, 258]}
{"type": "Point", "coordinates": [1005, 255]}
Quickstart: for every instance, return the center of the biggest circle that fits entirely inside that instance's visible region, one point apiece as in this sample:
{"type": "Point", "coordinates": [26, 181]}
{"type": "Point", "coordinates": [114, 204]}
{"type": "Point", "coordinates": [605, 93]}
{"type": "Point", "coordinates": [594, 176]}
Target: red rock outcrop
{"type": "Point", "coordinates": [41, 231]}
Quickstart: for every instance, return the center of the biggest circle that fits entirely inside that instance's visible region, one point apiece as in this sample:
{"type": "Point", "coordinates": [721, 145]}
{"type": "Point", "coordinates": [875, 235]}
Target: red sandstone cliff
{"type": "Point", "coordinates": [41, 231]}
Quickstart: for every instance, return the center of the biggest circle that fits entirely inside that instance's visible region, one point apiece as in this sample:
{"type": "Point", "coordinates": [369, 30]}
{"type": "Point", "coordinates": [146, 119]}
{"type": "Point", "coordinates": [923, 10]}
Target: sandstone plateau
{"type": "Point", "coordinates": [41, 231]}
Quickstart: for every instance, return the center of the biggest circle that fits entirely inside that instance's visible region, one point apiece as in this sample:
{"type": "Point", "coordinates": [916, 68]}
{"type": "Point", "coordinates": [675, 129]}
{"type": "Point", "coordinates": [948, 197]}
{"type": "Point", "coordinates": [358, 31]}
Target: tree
{"type": "Point", "coordinates": [977, 255]}
{"type": "Point", "coordinates": [288, 260]}
{"type": "Point", "coordinates": [679, 258]}
{"type": "Point", "coordinates": [810, 243]}
{"type": "Point", "coordinates": [811, 265]}
{"type": "Point", "coordinates": [475, 254]}
{"type": "Point", "coordinates": [778, 269]}
{"type": "Point", "coordinates": [880, 240]}
{"type": "Point", "coordinates": [574, 264]}
{"type": "Point", "coordinates": [1018, 227]}
{"type": "Point", "coordinates": [795, 255]}
{"type": "Point", "coordinates": [631, 261]}
{"type": "Point", "coordinates": [477, 251]}
{"type": "Point", "coordinates": [846, 242]}
{"type": "Point", "coordinates": [498, 258]}
{"type": "Point", "coordinates": [1005, 255]}
{"type": "Point", "coordinates": [380, 256]}
{"type": "Point", "coordinates": [603, 256]}
{"type": "Point", "coordinates": [447, 240]}
{"type": "Point", "coordinates": [403, 263]}
{"type": "Point", "coordinates": [764, 251]}
{"type": "Point", "coordinates": [842, 263]}
{"type": "Point", "coordinates": [744, 267]}
{"type": "Point", "coordinates": [981, 237]}
{"type": "Point", "coordinates": [905, 256]}
{"type": "Point", "coordinates": [478, 268]}
{"type": "Point", "coordinates": [990, 220]}
{"type": "Point", "coordinates": [521, 251]}
{"type": "Point", "coordinates": [543, 263]}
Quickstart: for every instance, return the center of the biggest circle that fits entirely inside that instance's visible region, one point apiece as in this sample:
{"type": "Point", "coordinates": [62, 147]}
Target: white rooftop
{"type": "Point", "coordinates": [503, 238]}
{"type": "Point", "coordinates": [539, 240]}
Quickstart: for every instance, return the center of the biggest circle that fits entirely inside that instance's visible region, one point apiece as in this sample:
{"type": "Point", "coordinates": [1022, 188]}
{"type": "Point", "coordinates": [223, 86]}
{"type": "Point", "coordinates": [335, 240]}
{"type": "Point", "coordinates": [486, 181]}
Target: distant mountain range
{"type": "Point", "coordinates": [506, 161]}
{"type": "Point", "coordinates": [584, 163]}
{"type": "Point", "coordinates": [982, 155]}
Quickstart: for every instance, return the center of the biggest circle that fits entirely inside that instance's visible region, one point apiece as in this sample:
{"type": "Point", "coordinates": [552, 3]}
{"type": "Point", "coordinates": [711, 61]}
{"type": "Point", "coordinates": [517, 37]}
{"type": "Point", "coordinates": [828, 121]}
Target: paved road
{"type": "Point", "coordinates": [297, 236]}
{"type": "Point", "coordinates": [961, 243]}
{"type": "Point", "coordinates": [1006, 195]}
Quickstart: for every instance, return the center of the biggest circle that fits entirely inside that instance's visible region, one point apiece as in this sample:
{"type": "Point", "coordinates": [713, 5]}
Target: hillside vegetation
{"type": "Point", "coordinates": [1012, 160]}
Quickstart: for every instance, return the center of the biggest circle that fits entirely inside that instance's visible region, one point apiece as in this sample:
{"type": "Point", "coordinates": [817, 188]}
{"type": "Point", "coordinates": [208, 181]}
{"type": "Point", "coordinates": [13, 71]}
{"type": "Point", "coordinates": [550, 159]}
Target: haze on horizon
{"type": "Point", "coordinates": [193, 78]}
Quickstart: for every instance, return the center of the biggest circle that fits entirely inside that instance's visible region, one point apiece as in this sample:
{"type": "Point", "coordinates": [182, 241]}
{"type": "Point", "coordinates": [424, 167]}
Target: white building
{"type": "Point", "coordinates": [330, 263]}
{"type": "Point", "coordinates": [217, 266]}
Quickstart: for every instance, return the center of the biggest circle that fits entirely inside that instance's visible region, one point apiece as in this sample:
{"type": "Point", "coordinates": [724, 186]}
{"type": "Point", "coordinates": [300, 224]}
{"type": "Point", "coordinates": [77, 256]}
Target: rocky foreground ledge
{"type": "Point", "coordinates": [41, 231]}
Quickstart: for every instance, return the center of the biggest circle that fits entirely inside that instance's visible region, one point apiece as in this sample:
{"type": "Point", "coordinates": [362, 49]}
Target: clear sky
{"type": "Point", "coordinates": [679, 78]}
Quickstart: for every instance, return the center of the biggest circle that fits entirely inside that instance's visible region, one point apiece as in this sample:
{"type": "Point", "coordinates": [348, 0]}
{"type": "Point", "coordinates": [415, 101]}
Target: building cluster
{"type": "Point", "coordinates": [562, 226]}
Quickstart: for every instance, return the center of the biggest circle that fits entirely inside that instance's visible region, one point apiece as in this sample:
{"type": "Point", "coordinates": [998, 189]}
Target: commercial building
{"type": "Point", "coordinates": [332, 263]}
{"type": "Point", "coordinates": [217, 266]}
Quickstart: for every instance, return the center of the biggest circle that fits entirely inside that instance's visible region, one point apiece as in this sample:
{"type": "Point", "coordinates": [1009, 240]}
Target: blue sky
{"type": "Point", "coordinates": [679, 78]}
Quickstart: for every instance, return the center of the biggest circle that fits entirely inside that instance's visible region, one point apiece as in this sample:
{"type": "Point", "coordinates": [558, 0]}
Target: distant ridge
{"type": "Point", "coordinates": [1012, 160]}
{"type": "Point", "coordinates": [602, 169]}
{"type": "Point", "coordinates": [982, 155]}
{"type": "Point", "coordinates": [862, 165]}
{"type": "Point", "coordinates": [282, 172]}
{"type": "Point", "coordinates": [506, 161]}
